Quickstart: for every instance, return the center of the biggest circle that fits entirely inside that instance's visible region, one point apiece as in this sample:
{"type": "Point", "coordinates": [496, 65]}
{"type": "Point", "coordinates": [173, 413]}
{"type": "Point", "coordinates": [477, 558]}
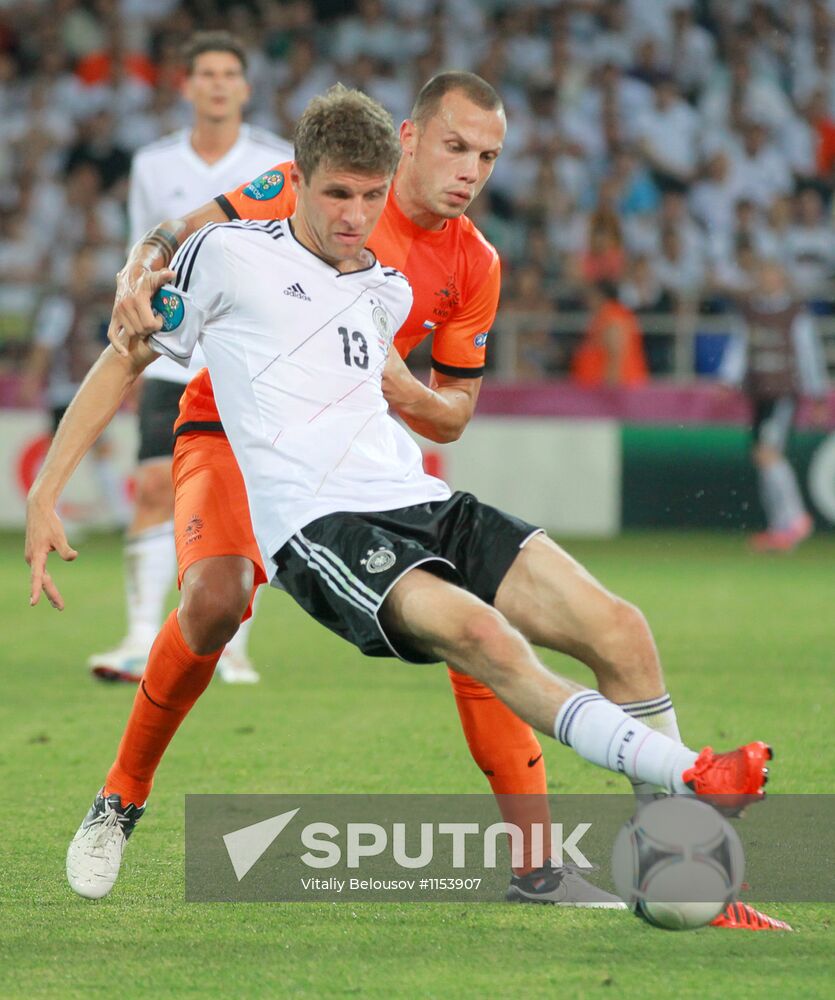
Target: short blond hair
{"type": "Point", "coordinates": [346, 130]}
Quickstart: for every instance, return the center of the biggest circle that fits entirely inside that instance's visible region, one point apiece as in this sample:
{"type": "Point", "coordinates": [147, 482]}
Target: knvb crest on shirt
{"type": "Point", "coordinates": [194, 529]}
{"type": "Point", "coordinates": [446, 299]}
{"type": "Point", "coordinates": [268, 185]}
{"type": "Point", "coordinates": [170, 306]}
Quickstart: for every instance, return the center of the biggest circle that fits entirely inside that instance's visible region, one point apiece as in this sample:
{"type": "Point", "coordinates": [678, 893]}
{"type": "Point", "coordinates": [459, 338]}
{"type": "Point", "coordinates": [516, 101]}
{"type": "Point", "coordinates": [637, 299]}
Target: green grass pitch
{"type": "Point", "coordinates": [748, 649]}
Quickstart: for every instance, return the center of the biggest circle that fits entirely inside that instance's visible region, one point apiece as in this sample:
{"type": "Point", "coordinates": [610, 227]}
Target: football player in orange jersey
{"type": "Point", "coordinates": [449, 147]}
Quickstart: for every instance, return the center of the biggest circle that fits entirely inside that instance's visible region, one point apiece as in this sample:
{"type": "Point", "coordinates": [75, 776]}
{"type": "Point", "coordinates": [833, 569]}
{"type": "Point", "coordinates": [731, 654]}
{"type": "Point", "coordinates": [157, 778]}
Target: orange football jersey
{"type": "Point", "coordinates": [454, 273]}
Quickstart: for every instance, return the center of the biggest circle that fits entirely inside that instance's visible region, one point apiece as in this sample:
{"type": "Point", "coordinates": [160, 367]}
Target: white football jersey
{"type": "Point", "coordinates": [169, 180]}
{"type": "Point", "coordinates": [296, 351]}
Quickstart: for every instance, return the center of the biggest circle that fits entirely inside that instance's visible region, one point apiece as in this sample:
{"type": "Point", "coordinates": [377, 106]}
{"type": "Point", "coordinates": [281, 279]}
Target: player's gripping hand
{"type": "Point", "coordinates": [44, 534]}
{"type": "Point", "coordinates": [133, 318]}
{"type": "Point", "coordinates": [400, 387]}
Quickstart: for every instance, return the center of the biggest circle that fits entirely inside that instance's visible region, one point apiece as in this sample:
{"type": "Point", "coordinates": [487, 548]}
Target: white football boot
{"type": "Point", "coordinates": [124, 663]}
{"type": "Point", "coordinates": [560, 886]}
{"type": "Point", "coordinates": [236, 668]}
{"type": "Point", "coordinates": [95, 852]}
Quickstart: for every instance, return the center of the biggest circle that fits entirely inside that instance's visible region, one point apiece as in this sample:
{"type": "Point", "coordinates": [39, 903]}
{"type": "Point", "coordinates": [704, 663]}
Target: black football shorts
{"type": "Point", "coordinates": [341, 567]}
{"type": "Point", "coordinates": [159, 408]}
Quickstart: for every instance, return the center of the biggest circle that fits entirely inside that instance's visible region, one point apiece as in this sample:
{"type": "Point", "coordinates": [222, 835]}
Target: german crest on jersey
{"type": "Point", "coordinates": [378, 561]}
{"type": "Point", "coordinates": [268, 185]}
{"type": "Point", "coordinates": [382, 324]}
{"type": "Point", "coordinates": [170, 306]}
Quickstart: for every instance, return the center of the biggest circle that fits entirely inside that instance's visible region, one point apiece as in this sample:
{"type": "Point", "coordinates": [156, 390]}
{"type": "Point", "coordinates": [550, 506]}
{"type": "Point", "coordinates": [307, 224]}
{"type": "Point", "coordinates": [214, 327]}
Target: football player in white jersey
{"type": "Point", "coordinates": [347, 521]}
{"type": "Point", "coordinates": [170, 178]}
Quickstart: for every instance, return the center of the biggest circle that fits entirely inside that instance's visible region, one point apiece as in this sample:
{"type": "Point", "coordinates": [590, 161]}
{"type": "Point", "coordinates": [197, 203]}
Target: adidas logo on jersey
{"type": "Point", "coordinates": [297, 292]}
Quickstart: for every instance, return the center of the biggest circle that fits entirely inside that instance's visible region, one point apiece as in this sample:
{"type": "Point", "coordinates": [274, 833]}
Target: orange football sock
{"type": "Point", "coordinates": [509, 754]}
{"type": "Point", "coordinates": [174, 679]}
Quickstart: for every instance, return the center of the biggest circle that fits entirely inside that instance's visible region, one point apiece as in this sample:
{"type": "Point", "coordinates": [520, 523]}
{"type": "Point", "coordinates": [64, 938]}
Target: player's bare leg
{"type": "Point", "coordinates": [451, 624]}
{"type": "Point", "coordinates": [555, 602]}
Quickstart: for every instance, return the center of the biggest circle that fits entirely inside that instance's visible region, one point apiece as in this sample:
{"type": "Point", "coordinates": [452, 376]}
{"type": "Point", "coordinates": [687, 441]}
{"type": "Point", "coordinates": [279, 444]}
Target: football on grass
{"type": "Point", "coordinates": [677, 863]}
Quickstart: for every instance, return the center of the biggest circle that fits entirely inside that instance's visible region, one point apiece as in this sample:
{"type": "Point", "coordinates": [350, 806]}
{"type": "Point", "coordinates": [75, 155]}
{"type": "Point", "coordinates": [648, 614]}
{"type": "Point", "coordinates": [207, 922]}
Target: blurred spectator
{"type": "Point", "coordinates": [820, 120]}
{"type": "Point", "coordinates": [761, 168]}
{"type": "Point", "coordinates": [634, 191]}
{"type": "Point", "coordinates": [692, 52]}
{"type": "Point", "coordinates": [21, 255]}
{"type": "Point", "coordinates": [368, 33]}
{"type": "Point", "coordinates": [611, 352]}
{"type": "Point", "coordinates": [527, 313]}
{"type": "Point", "coordinates": [773, 236]}
{"type": "Point", "coordinates": [603, 258]}
{"type": "Point", "coordinates": [642, 291]}
{"type": "Point", "coordinates": [680, 271]}
{"type": "Point", "coordinates": [809, 247]}
{"type": "Point", "coordinates": [758, 98]}
{"type": "Point", "coordinates": [713, 198]}
{"type": "Point", "coordinates": [69, 333]}
{"type": "Point", "coordinates": [96, 145]}
{"type": "Point", "coordinates": [734, 275]}
{"type": "Point", "coordinates": [539, 252]}
{"type": "Point", "coordinates": [667, 134]}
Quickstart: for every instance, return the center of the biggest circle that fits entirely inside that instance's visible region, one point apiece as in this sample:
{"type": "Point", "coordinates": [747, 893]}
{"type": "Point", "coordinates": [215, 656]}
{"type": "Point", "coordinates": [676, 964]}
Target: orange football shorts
{"type": "Point", "coordinates": [211, 512]}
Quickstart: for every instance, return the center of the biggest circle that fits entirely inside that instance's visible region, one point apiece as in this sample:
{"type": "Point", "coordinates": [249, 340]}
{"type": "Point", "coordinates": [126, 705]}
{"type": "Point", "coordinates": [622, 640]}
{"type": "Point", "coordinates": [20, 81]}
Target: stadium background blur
{"type": "Point", "coordinates": [660, 145]}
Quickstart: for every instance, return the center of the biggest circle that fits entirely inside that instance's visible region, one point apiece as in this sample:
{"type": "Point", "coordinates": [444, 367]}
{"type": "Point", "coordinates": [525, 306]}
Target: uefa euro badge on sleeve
{"type": "Point", "coordinates": [168, 304]}
{"type": "Point", "coordinates": [268, 185]}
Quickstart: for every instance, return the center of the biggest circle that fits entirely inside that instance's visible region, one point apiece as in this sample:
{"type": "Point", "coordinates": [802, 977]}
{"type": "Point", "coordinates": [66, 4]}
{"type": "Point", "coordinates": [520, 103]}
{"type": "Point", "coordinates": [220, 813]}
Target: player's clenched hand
{"type": "Point", "coordinates": [399, 386]}
{"type": "Point", "coordinates": [133, 316]}
{"type": "Point", "coordinates": [45, 534]}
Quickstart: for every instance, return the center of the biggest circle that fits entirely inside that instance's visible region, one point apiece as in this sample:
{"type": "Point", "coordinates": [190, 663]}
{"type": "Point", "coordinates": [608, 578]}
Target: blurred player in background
{"type": "Point", "coordinates": [777, 357]}
{"type": "Point", "coordinates": [169, 178]}
{"type": "Point", "coordinates": [68, 333]}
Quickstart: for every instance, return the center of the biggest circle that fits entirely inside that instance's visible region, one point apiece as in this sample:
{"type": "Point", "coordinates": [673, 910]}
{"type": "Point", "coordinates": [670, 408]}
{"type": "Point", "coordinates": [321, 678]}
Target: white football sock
{"type": "Point", "coordinates": [150, 568]}
{"type": "Point", "coordinates": [770, 498]}
{"type": "Point", "coordinates": [780, 495]}
{"type": "Point", "coordinates": [791, 501]}
{"type": "Point", "coordinates": [240, 640]}
{"type": "Point", "coordinates": [659, 714]}
{"type": "Point", "coordinates": [604, 734]}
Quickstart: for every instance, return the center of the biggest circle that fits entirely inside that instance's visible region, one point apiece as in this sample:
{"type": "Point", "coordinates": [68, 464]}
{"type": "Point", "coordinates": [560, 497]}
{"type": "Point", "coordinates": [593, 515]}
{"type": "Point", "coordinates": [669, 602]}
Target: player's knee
{"type": "Point", "coordinates": [627, 641]}
{"type": "Point", "coordinates": [212, 611]}
{"type": "Point", "coordinates": [487, 634]}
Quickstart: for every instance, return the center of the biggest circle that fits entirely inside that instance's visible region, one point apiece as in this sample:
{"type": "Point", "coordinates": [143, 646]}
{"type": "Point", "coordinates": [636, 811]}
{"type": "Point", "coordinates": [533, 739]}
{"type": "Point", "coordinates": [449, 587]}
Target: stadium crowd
{"type": "Point", "coordinates": [657, 147]}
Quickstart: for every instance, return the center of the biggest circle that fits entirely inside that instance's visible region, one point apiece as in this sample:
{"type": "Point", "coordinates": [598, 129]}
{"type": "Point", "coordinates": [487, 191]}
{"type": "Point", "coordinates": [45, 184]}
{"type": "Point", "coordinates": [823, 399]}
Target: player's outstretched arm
{"type": "Point", "coordinates": [146, 270]}
{"type": "Point", "coordinates": [92, 409]}
{"type": "Point", "coordinates": [439, 411]}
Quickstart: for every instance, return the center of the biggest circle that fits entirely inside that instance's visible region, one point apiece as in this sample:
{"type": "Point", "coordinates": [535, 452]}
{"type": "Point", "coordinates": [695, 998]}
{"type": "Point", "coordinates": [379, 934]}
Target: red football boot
{"type": "Point", "coordinates": [733, 779]}
{"type": "Point", "coordinates": [741, 916]}
{"type": "Point", "coordinates": [786, 540]}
